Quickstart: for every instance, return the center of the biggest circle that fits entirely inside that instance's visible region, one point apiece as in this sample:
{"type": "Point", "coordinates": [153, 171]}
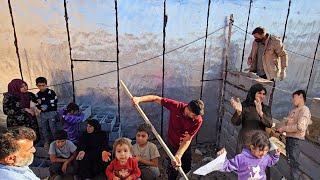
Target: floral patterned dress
{"type": "Point", "coordinates": [17, 116]}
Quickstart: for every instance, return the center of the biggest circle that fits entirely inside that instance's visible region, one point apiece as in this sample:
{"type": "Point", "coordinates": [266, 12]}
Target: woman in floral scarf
{"type": "Point", "coordinates": [16, 105]}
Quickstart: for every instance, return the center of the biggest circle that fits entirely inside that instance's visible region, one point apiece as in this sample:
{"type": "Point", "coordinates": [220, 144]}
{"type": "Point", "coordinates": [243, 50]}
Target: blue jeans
{"type": "Point", "coordinates": [293, 156]}
{"type": "Point", "coordinates": [48, 124]}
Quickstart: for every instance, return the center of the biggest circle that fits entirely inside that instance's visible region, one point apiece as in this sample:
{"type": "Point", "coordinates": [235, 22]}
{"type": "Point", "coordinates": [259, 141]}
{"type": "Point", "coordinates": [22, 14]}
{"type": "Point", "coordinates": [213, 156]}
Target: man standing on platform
{"type": "Point", "coordinates": [268, 58]}
{"type": "Point", "coordinates": [185, 121]}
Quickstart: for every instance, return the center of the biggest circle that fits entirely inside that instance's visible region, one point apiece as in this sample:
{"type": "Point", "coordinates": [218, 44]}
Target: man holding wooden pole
{"type": "Point", "coordinates": [185, 121]}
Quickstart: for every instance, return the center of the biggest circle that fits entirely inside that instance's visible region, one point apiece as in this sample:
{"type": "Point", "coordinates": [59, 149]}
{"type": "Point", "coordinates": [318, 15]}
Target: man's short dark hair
{"type": "Point", "coordinates": [60, 135]}
{"type": "Point", "coordinates": [299, 92]}
{"type": "Point", "coordinates": [41, 80]}
{"type": "Point", "coordinates": [9, 138]}
{"type": "Point", "coordinates": [196, 106]}
{"type": "Point", "coordinates": [259, 30]}
{"type": "Point", "coordinates": [145, 128]}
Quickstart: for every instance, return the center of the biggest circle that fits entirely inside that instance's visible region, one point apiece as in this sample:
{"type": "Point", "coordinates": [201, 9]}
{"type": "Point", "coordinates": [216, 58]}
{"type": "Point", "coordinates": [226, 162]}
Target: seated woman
{"type": "Point", "coordinates": [252, 114]}
{"type": "Point", "coordinates": [93, 153]}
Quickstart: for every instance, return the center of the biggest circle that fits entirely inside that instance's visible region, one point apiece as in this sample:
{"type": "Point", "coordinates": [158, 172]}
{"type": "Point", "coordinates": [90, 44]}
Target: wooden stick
{"type": "Point", "coordinates": [163, 144]}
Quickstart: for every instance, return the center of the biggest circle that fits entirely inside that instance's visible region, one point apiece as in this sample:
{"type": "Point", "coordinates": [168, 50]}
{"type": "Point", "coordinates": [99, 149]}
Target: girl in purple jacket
{"type": "Point", "coordinates": [251, 164]}
{"type": "Point", "coordinates": [71, 115]}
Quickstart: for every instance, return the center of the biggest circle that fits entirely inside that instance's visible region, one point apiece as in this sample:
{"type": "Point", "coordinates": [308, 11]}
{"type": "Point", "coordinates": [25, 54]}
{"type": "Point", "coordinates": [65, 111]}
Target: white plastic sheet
{"type": "Point", "coordinates": [214, 165]}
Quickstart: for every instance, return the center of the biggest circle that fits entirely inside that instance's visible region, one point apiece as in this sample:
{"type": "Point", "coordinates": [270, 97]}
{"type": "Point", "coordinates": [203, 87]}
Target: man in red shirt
{"type": "Point", "coordinates": [185, 121]}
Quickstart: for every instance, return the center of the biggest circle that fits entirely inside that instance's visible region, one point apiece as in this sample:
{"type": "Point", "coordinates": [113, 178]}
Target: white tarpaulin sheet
{"type": "Point", "coordinates": [214, 165]}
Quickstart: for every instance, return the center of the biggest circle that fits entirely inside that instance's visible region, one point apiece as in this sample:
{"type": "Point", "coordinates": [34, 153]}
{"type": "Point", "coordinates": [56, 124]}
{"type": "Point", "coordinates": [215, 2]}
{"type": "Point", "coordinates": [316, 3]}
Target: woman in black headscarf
{"type": "Point", "coordinates": [93, 151]}
{"type": "Point", "coordinates": [252, 114]}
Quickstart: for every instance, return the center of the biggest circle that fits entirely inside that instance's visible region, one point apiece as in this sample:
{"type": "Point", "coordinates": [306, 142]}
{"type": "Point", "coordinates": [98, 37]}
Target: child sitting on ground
{"type": "Point", "coordinates": [123, 166]}
{"type": "Point", "coordinates": [62, 154]}
{"type": "Point", "coordinates": [146, 153]}
{"type": "Point", "coordinates": [252, 163]}
{"type": "Point", "coordinates": [70, 116]}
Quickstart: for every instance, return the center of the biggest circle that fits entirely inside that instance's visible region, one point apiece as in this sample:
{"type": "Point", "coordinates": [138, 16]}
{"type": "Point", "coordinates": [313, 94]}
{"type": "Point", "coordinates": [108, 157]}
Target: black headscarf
{"type": "Point", "coordinates": [251, 96]}
{"type": "Point", "coordinates": [95, 124]}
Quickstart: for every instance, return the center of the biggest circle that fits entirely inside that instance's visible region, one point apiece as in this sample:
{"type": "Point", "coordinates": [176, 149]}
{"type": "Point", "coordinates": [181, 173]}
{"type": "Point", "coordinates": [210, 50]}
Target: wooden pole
{"type": "Point", "coordinates": [163, 144]}
{"type": "Point", "coordinates": [223, 89]}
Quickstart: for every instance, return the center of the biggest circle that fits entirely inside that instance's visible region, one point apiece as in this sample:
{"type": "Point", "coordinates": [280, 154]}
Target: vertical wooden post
{"type": "Point", "coordinates": [223, 89]}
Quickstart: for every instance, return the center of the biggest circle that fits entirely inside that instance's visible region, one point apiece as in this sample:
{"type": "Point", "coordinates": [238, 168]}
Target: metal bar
{"type": "Point", "coordinates": [204, 56]}
{"type": "Point", "coordinates": [285, 26]}
{"type": "Point", "coordinates": [118, 69]}
{"type": "Point", "coordinates": [204, 50]}
{"type": "Point", "coordinates": [70, 55]}
{"type": "Point", "coordinates": [88, 60]}
{"type": "Point", "coordinates": [165, 19]}
{"type": "Point", "coordinates": [15, 39]}
{"type": "Point", "coordinates": [218, 79]}
{"type": "Point", "coordinates": [245, 36]}
{"type": "Point", "coordinates": [163, 144]}
{"type": "Point", "coordinates": [314, 58]}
